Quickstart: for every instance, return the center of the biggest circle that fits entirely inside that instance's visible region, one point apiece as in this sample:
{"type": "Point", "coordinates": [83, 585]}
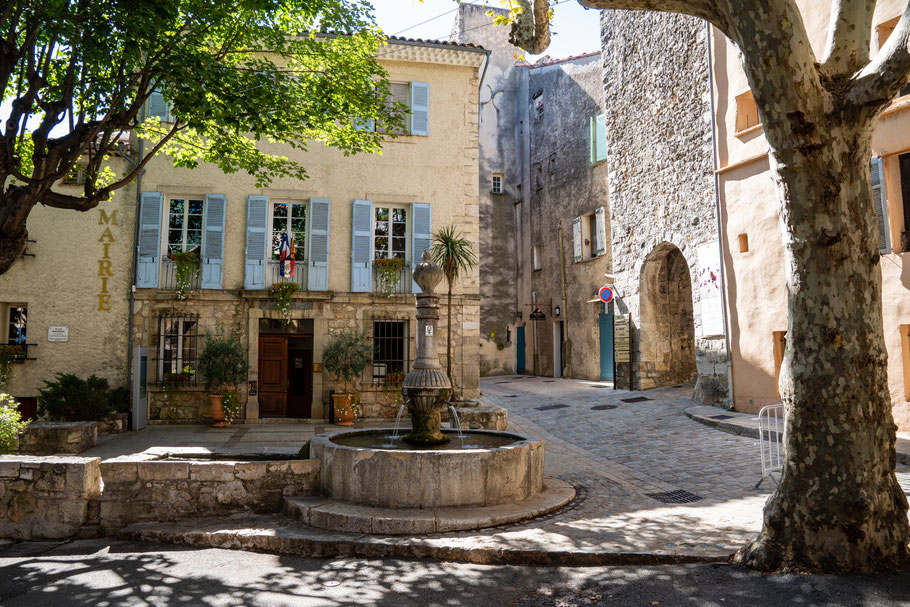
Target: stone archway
{"type": "Point", "coordinates": [667, 324]}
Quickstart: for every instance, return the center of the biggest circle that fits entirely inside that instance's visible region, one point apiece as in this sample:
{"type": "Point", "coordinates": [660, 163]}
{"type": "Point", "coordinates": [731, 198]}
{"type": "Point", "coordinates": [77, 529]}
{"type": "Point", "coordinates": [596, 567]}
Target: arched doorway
{"type": "Point", "coordinates": [667, 327]}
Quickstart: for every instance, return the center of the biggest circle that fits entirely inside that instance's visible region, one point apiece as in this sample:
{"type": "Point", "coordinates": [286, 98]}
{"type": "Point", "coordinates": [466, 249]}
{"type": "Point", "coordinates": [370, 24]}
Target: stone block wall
{"type": "Point", "coordinates": [48, 438]}
{"type": "Point", "coordinates": [138, 490]}
{"type": "Point", "coordinates": [661, 181]}
{"type": "Point", "coordinates": [47, 497]}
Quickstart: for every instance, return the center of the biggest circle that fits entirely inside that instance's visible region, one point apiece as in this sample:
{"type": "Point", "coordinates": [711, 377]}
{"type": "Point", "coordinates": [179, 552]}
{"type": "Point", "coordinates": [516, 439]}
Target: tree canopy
{"type": "Point", "coordinates": [77, 74]}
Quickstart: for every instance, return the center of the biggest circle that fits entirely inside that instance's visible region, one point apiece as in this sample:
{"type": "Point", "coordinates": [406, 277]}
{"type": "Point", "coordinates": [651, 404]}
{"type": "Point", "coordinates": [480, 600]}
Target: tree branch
{"type": "Point", "coordinates": [709, 10]}
{"type": "Point", "coordinates": [849, 33]}
{"type": "Point", "coordinates": [531, 29]}
{"type": "Point", "coordinates": [882, 78]}
{"type": "Point", "coordinates": [76, 203]}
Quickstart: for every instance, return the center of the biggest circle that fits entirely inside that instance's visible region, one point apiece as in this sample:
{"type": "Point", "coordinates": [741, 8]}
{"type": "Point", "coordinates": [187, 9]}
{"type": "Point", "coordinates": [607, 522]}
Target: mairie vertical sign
{"type": "Point", "coordinates": [104, 264]}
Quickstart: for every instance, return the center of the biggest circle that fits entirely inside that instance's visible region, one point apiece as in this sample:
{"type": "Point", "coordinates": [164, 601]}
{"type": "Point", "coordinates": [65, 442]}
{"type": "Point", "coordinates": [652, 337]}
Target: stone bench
{"type": "Point", "coordinates": [49, 438]}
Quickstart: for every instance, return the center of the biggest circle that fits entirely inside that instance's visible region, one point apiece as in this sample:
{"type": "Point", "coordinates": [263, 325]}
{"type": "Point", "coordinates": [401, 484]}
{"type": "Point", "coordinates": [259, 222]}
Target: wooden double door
{"type": "Point", "coordinates": [285, 375]}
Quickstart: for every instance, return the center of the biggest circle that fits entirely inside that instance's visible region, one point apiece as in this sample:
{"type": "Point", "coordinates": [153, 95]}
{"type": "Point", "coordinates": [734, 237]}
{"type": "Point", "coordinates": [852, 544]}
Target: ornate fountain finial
{"type": "Point", "coordinates": [427, 274]}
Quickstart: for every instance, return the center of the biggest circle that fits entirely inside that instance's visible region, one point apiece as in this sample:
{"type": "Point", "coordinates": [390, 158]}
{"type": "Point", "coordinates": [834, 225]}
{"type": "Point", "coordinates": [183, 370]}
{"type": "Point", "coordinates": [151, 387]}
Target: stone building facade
{"type": "Point", "coordinates": [351, 211]}
{"type": "Point", "coordinates": [543, 205]}
{"type": "Point", "coordinates": [662, 201]}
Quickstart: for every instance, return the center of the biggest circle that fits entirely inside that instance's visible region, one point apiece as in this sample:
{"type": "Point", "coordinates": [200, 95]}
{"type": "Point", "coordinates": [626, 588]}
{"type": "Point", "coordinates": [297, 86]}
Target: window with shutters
{"type": "Point", "coordinates": [184, 224]}
{"type": "Point", "coordinates": [415, 97]}
{"type": "Point", "coordinates": [589, 235]}
{"type": "Point", "coordinates": [904, 162]}
{"type": "Point", "coordinates": [390, 232]}
{"type": "Point", "coordinates": [538, 106]}
{"type": "Point", "coordinates": [390, 351]}
{"type": "Point", "coordinates": [496, 187]}
{"type": "Point", "coordinates": [880, 204]}
{"type": "Point", "coordinates": [598, 139]}
{"type": "Point", "coordinates": [288, 225]}
{"type": "Point", "coordinates": [746, 113]}
{"type": "Point", "coordinates": [158, 107]}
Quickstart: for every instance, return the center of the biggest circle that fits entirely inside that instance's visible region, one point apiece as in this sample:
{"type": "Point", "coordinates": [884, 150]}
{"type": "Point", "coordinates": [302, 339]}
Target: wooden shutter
{"type": "Point", "coordinates": [420, 108]}
{"type": "Point", "coordinates": [149, 240]}
{"type": "Point", "coordinates": [576, 239]}
{"type": "Point", "coordinates": [318, 245]}
{"type": "Point", "coordinates": [157, 106]}
{"type": "Point", "coordinates": [880, 202]}
{"type": "Point", "coordinates": [257, 238]}
{"type": "Point", "coordinates": [600, 223]}
{"type": "Point", "coordinates": [213, 241]}
{"type": "Point", "coordinates": [600, 138]}
{"type": "Point", "coordinates": [421, 236]}
{"type": "Point", "coordinates": [361, 246]}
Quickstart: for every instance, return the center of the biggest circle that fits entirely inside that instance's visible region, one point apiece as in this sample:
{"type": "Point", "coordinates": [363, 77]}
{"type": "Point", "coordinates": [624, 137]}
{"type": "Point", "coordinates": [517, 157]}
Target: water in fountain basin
{"type": "Point", "coordinates": [380, 439]}
{"type": "Point", "coordinates": [398, 420]}
{"type": "Point", "coordinates": [455, 422]}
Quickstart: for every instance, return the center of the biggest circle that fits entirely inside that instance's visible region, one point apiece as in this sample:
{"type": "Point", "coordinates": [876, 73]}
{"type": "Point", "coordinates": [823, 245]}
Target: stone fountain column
{"type": "Point", "coordinates": [426, 387]}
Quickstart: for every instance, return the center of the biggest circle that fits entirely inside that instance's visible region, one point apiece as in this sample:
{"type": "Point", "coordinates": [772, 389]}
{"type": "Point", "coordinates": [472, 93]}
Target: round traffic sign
{"type": "Point", "coordinates": [606, 294]}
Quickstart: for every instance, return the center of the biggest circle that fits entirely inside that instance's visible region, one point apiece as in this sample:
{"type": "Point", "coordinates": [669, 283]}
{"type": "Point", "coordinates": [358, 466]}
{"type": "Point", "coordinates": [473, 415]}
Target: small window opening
{"type": "Point", "coordinates": [497, 183]}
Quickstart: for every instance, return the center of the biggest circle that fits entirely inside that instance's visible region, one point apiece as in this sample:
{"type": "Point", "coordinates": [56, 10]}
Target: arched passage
{"type": "Point", "coordinates": [667, 327]}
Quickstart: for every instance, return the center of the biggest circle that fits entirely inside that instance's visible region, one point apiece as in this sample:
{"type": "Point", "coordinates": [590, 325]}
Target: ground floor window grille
{"type": "Point", "coordinates": [178, 341]}
{"type": "Point", "coordinates": [390, 351]}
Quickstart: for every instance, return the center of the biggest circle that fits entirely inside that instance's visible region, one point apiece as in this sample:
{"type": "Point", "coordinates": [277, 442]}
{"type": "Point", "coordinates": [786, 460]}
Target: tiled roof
{"type": "Point", "coordinates": [435, 42]}
{"type": "Point", "coordinates": [547, 60]}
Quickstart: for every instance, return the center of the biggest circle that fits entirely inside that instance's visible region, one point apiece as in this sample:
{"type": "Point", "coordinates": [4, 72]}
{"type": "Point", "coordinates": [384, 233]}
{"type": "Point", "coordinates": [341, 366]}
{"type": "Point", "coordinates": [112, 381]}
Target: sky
{"type": "Point", "coordinates": [576, 30]}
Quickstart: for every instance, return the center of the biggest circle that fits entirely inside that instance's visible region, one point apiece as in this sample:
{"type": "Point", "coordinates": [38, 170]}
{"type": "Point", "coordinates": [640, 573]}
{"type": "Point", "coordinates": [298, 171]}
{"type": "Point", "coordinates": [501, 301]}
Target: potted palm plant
{"type": "Point", "coordinates": [344, 359]}
{"type": "Point", "coordinates": [223, 363]}
{"type": "Point", "coordinates": [453, 253]}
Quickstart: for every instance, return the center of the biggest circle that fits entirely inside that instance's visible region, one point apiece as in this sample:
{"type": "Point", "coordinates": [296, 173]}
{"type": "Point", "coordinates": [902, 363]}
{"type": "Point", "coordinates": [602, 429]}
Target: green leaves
{"type": "Point", "coordinates": [453, 253]}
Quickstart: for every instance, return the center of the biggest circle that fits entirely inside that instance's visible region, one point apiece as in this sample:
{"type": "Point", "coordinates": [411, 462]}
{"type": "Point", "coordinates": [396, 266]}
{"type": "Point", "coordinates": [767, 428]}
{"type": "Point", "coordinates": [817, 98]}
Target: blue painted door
{"type": "Point", "coordinates": [520, 348]}
{"type": "Point", "coordinates": [606, 347]}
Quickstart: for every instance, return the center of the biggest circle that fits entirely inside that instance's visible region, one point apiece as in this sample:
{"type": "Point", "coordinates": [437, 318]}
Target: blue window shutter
{"type": "Point", "coordinates": [257, 218]}
{"type": "Point", "coordinates": [362, 246]}
{"type": "Point", "coordinates": [213, 241]}
{"type": "Point", "coordinates": [600, 139]}
{"type": "Point", "coordinates": [149, 240]}
{"type": "Point", "coordinates": [420, 108]}
{"type": "Point", "coordinates": [318, 245]}
{"type": "Point", "coordinates": [880, 203]}
{"type": "Point", "coordinates": [421, 226]}
{"type": "Point", "coordinates": [364, 125]}
{"type": "Point", "coordinates": [592, 141]}
{"type": "Point", "coordinates": [157, 106]}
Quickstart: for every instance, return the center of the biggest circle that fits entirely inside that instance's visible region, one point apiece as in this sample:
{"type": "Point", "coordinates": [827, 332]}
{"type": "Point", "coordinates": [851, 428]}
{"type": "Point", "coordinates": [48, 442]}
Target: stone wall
{"type": "Point", "coordinates": [48, 438]}
{"type": "Point", "coordinates": [655, 76]}
{"type": "Point", "coordinates": [60, 497]}
{"type": "Point", "coordinates": [47, 497]}
{"type": "Point", "coordinates": [138, 490]}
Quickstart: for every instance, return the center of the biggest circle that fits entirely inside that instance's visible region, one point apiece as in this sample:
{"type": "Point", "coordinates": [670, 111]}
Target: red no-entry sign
{"type": "Point", "coordinates": [606, 294]}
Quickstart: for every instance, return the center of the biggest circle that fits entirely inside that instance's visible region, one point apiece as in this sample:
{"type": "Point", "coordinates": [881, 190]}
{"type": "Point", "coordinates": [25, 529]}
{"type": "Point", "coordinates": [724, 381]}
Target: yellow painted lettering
{"type": "Point", "coordinates": [107, 250]}
{"type": "Point", "coordinates": [107, 234]}
{"type": "Point", "coordinates": [105, 219]}
{"type": "Point", "coordinates": [104, 284]}
{"type": "Point", "coordinates": [104, 267]}
{"type": "Point", "coordinates": [104, 301]}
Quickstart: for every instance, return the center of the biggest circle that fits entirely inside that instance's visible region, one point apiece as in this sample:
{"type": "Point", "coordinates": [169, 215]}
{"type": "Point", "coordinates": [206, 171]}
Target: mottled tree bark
{"type": "Point", "coordinates": [838, 507]}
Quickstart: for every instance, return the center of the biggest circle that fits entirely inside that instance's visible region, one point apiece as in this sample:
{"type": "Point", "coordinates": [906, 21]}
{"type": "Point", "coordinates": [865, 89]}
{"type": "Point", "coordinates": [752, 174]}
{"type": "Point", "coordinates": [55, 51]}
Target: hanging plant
{"type": "Point", "coordinates": [389, 270]}
{"type": "Point", "coordinates": [282, 294]}
{"type": "Point", "coordinates": [8, 356]}
{"type": "Point", "coordinates": [187, 265]}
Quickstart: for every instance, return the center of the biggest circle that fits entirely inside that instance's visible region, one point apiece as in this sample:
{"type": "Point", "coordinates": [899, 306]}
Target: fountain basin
{"type": "Point", "coordinates": [429, 478]}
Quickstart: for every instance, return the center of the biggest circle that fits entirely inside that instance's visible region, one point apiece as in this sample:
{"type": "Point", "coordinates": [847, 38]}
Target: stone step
{"type": "Point", "coordinates": [332, 515]}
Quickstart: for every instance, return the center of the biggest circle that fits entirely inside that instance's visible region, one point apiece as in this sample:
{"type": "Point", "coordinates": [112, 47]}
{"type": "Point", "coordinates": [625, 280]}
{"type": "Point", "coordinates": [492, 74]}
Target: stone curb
{"type": "Point", "coordinates": [735, 426]}
{"type": "Point", "coordinates": [300, 541]}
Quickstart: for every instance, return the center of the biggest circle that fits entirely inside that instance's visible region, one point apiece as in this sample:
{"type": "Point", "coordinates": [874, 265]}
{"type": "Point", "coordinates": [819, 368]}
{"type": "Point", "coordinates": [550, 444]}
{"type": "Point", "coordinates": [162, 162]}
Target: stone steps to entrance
{"type": "Point", "coordinates": [333, 515]}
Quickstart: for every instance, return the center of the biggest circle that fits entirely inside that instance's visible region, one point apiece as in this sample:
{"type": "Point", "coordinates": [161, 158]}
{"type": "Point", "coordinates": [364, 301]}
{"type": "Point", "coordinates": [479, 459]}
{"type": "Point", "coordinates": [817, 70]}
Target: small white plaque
{"type": "Point", "coordinates": [58, 334]}
{"type": "Point", "coordinates": [429, 330]}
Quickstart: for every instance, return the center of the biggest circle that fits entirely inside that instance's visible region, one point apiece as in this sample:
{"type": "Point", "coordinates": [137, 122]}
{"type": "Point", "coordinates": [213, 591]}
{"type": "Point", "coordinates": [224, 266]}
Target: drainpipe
{"type": "Point", "coordinates": [720, 239]}
{"type": "Point", "coordinates": [567, 363]}
{"type": "Point", "coordinates": [129, 349]}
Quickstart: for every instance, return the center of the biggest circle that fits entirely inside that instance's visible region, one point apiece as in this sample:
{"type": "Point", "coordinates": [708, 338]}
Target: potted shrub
{"type": "Point", "coordinates": [224, 365]}
{"type": "Point", "coordinates": [344, 359]}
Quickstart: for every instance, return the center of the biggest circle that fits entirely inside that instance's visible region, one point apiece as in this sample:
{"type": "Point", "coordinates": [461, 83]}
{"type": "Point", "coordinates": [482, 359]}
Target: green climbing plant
{"type": "Point", "coordinates": [282, 295]}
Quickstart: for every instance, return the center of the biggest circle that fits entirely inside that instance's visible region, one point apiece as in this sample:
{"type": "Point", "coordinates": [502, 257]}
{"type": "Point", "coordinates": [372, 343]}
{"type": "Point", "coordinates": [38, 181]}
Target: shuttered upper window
{"type": "Point", "coordinates": [598, 139]}
{"type": "Point", "coordinates": [416, 97]}
{"type": "Point", "coordinates": [880, 204]}
{"type": "Point", "coordinates": [589, 235]}
{"type": "Point", "coordinates": [390, 232]}
{"type": "Point", "coordinates": [184, 224]}
{"type": "Point", "coordinates": [289, 218]}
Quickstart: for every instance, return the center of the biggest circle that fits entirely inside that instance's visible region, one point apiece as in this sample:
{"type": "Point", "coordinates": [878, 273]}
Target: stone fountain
{"type": "Point", "coordinates": [373, 481]}
{"type": "Point", "coordinates": [426, 386]}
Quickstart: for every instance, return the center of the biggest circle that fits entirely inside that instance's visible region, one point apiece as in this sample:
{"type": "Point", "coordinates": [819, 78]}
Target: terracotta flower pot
{"type": "Point", "coordinates": [216, 412]}
{"type": "Point", "coordinates": [344, 410]}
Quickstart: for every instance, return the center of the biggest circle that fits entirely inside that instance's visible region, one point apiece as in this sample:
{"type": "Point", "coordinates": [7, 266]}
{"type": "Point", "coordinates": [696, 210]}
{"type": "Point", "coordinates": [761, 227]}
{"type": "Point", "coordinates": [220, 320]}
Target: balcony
{"type": "Point", "coordinates": [169, 276]}
{"type": "Point", "coordinates": [388, 286]}
{"type": "Point", "coordinates": [273, 273]}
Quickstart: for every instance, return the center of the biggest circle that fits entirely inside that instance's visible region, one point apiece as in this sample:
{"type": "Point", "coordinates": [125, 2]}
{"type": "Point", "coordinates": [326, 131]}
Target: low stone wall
{"type": "Point", "coordinates": [49, 438]}
{"type": "Point", "coordinates": [114, 424]}
{"type": "Point", "coordinates": [47, 497]}
{"type": "Point", "coordinates": [136, 489]}
{"type": "Point", "coordinates": [60, 497]}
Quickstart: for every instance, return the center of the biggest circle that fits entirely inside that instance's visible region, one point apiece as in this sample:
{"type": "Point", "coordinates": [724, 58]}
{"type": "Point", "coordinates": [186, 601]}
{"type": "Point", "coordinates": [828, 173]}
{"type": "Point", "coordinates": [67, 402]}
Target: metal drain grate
{"type": "Point", "coordinates": [675, 497]}
{"type": "Point", "coordinates": [603, 407]}
{"type": "Point", "coordinates": [635, 399]}
{"type": "Point", "coordinates": [550, 407]}
{"type": "Point", "coordinates": [721, 417]}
